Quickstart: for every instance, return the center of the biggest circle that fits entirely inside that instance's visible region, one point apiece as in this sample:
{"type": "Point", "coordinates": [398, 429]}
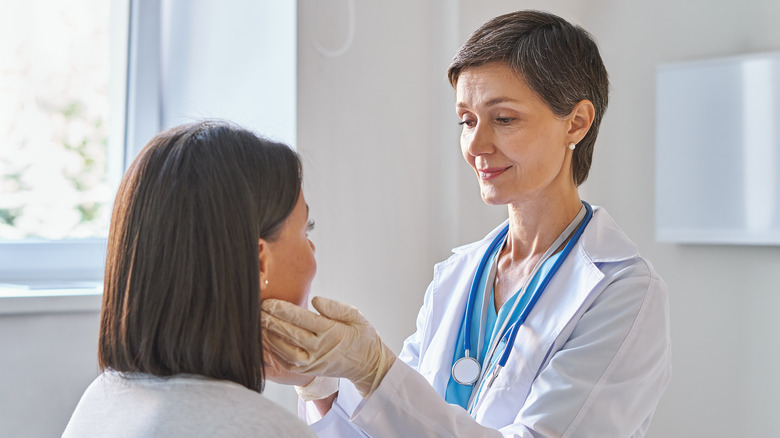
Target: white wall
{"type": "Point", "coordinates": [232, 59]}
{"type": "Point", "coordinates": [47, 361]}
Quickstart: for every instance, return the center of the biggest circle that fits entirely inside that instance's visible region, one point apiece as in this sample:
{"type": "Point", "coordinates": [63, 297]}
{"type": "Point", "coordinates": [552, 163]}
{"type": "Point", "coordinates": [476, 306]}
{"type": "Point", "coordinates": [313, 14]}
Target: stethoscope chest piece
{"type": "Point", "coordinates": [466, 370]}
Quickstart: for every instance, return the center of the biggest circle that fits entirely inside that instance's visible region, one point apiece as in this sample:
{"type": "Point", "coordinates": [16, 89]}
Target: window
{"type": "Point", "coordinates": [120, 71]}
{"type": "Point", "coordinates": [62, 78]}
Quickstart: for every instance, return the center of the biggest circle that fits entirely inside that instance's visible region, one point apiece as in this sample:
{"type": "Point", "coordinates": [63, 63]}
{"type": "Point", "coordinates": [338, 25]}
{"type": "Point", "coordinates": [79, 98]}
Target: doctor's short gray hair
{"type": "Point", "coordinates": [559, 61]}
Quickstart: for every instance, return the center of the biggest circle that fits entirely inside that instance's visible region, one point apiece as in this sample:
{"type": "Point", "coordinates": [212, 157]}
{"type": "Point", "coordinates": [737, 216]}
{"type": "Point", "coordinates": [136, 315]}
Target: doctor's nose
{"type": "Point", "coordinates": [479, 141]}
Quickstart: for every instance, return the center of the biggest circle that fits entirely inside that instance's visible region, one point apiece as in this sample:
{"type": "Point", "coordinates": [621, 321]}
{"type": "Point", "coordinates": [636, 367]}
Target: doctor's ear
{"type": "Point", "coordinates": [580, 119]}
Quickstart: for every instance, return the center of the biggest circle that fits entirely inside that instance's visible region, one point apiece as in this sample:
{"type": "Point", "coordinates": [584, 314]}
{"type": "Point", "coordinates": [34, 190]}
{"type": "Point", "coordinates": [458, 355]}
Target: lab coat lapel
{"type": "Point", "coordinates": [563, 299]}
{"type": "Point", "coordinates": [451, 284]}
{"type": "Point", "coordinates": [570, 293]}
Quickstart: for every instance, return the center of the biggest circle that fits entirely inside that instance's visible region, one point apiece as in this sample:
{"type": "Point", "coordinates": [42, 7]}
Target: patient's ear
{"type": "Point", "coordinates": [264, 255]}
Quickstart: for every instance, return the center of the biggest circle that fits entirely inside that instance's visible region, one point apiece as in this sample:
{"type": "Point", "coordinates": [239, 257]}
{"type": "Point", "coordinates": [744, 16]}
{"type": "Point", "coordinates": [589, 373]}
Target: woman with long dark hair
{"type": "Point", "coordinates": [208, 219]}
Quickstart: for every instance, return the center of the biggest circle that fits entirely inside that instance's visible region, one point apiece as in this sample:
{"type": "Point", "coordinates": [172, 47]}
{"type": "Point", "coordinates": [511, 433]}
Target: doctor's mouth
{"type": "Point", "coordinates": [491, 172]}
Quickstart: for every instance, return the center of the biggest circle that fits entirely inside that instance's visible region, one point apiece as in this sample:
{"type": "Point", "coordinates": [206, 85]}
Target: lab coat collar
{"type": "Point", "coordinates": [595, 241]}
{"type": "Point", "coordinates": [485, 240]}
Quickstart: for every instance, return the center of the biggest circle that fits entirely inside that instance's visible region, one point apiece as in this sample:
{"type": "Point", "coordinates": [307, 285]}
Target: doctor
{"type": "Point", "coordinates": [552, 325]}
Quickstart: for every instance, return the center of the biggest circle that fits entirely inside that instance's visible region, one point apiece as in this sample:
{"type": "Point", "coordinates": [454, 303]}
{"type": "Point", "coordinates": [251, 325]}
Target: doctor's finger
{"type": "Point", "coordinates": [337, 310]}
{"type": "Point", "coordinates": [293, 334]}
{"type": "Point", "coordinates": [278, 371]}
{"type": "Point", "coordinates": [291, 356]}
{"type": "Point", "coordinates": [270, 357]}
{"type": "Point", "coordinates": [295, 315]}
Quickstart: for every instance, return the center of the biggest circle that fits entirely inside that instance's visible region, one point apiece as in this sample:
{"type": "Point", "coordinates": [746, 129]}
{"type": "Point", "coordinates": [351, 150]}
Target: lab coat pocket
{"type": "Point", "coordinates": [524, 361]}
{"type": "Point", "coordinates": [511, 387]}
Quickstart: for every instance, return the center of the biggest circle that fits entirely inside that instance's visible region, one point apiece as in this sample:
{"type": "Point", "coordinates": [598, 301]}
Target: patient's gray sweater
{"type": "Point", "coordinates": [130, 405]}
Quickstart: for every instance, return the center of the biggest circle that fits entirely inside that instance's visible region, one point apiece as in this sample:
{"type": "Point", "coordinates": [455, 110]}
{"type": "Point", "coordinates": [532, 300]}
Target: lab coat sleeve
{"type": "Point", "coordinates": [336, 423]}
{"type": "Point", "coordinates": [411, 351]}
{"type": "Point", "coordinates": [406, 405]}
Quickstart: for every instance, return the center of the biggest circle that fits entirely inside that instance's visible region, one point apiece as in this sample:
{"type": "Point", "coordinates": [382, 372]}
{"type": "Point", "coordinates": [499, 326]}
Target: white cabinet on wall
{"type": "Point", "coordinates": [718, 151]}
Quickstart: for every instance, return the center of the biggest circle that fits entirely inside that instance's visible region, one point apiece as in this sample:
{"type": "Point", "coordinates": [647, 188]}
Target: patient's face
{"type": "Point", "coordinates": [290, 264]}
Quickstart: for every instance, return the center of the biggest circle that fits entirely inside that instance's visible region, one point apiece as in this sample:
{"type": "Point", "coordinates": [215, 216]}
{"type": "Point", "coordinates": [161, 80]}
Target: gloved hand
{"type": "Point", "coordinates": [308, 387]}
{"type": "Point", "coordinates": [275, 370]}
{"type": "Point", "coordinates": [319, 388]}
{"type": "Point", "coordinates": [339, 342]}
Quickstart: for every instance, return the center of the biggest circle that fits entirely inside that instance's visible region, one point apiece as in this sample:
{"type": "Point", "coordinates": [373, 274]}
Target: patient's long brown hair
{"type": "Point", "coordinates": [182, 292]}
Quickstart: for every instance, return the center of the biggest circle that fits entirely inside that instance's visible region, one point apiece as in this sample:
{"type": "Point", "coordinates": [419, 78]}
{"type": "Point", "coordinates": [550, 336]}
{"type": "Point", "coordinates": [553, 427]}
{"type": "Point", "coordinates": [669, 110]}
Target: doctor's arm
{"type": "Point", "coordinates": [328, 344]}
{"type": "Point", "coordinates": [407, 404]}
{"type": "Point", "coordinates": [330, 417]}
{"type": "Point", "coordinates": [605, 375]}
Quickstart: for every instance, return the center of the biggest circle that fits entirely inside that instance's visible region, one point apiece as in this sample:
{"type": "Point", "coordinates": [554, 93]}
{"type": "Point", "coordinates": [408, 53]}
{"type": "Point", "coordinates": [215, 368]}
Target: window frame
{"type": "Point", "coordinates": [144, 107]}
{"type": "Point", "coordinates": [134, 85]}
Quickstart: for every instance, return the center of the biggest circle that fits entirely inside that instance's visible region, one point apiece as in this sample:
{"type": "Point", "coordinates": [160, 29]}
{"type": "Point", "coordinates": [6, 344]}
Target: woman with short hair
{"type": "Point", "coordinates": [552, 325]}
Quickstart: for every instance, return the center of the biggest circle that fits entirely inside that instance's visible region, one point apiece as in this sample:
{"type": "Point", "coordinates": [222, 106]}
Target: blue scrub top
{"type": "Point", "coordinates": [459, 394]}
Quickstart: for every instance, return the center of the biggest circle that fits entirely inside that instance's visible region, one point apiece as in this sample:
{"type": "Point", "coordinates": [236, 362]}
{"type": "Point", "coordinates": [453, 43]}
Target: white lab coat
{"type": "Point", "coordinates": [591, 360]}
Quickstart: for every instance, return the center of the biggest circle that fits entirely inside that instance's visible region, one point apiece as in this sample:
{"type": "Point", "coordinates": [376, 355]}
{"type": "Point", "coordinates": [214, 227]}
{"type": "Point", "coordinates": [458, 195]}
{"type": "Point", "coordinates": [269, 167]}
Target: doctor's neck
{"type": "Point", "coordinates": [534, 225]}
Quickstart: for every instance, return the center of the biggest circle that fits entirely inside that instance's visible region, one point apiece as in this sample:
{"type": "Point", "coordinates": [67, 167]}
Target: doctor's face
{"type": "Point", "coordinates": [288, 262]}
{"type": "Point", "coordinates": [516, 145]}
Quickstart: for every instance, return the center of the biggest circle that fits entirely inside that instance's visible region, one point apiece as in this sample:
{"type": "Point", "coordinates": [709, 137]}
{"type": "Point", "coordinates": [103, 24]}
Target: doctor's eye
{"type": "Point", "coordinates": [310, 226]}
{"type": "Point", "coordinates": [468, 123]}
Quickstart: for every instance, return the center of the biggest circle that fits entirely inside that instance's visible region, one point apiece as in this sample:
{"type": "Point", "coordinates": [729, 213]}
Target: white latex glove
{"type": "Point", "coordinates": [339, 342]}
{"type": "Point", "coordinates": [319, 388]}
{"type": "Point", "coordinates": [276, 371]}
{"type": "Point", "coordinates": [308, 387]}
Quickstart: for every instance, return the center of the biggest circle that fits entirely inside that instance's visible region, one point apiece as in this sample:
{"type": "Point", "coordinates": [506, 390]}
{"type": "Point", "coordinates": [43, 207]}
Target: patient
{"type": "Point", "coordinates": [207, 219]}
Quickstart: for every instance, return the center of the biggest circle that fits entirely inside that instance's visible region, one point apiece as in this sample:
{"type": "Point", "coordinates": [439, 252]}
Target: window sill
{"type": "Point", "coordinates": [42, 298]}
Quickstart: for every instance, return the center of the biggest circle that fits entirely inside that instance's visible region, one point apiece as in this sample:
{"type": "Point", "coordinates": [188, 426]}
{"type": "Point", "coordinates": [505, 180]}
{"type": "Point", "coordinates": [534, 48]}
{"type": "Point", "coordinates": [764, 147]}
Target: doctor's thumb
{"type": "Point", "coordinates": [338, 311]}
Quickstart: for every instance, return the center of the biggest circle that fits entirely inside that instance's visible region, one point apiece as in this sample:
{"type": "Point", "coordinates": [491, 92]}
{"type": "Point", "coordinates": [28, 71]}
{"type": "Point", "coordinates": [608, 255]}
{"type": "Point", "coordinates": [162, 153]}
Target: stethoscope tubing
{"type": "Point", "coordinates": [514, 329]}
{"type": "Point", "coordinates": [475, 285]}
{"type": "Point", "coordinates": [543, 285]}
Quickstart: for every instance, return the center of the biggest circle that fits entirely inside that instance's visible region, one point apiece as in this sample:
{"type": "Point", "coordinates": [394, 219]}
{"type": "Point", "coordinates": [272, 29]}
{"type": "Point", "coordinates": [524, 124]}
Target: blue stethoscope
{"type": "Point", "coordinates": [467, 370]}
